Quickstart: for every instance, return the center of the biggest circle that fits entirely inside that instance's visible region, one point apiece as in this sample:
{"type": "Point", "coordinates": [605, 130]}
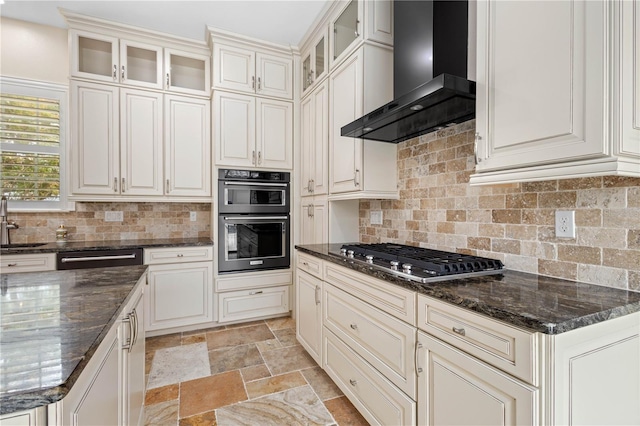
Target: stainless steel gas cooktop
{"type": "Point", "coordinates": [420, 264]}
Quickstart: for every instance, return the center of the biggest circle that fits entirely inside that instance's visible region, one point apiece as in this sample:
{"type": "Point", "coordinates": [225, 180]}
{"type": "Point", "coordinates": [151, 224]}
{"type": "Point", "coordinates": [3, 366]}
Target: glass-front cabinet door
{"type": "Point", "coordinates": [95, 56]}
{"type": "Point", "coordinates": [140, 64]}
{"type": "Point", "coordinates": [347, 28]}
{"type": "Point", "coordinates": [187, 72]}
{"type": "Point", "coordinates": [314, 62]}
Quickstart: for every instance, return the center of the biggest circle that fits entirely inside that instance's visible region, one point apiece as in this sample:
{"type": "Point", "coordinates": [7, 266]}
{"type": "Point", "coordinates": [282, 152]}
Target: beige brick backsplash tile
{"type": "Point", "coordinates": [522, 201]}
{"type": "Point", "coordinates": [464, 151]}
{"type": "Point", "coordinates": [548, 233]}
{"type": "Point", "coordinates": [479, 243]}
{"type": "Point", "coordinates": [446, 227]}
{"type": "Point", "coordinates": [437, 192]}
{"type": "Point", "coordinates": [521, 232]}
{"type": "Point", "coordinates": [479, 216]}
{"type": "Point", "coordinates": [506, 216]}
{"type": "Point", "coordinates": [602, 237]}
{"type": "Point", "coordinates": [550, 185]}
{"type": "Point", "coordinates": [446, 203]}
{"type": "Point", "coordinates": [502, 245]}
{"type": "Point", "coordinates": [580, 254]}
{"type": "Point", "coordinates": [633, 197]}
{"type": "Point", "coordinates": [492, 201]}
{"type": "Point", "coordinates": [554, 268]}
{"type": "Point", "coordinates": [456, 165]}
{"type": "Point", "coordinates": [634, 280]}
{"type": "Point", "coordinates": [463, 177]}
{"type": "Point", "coordinates": [446, 179]}
{"type": "Point", "coordinates": [613, 181]}
{"type": "Point", "coordinates": [588, 217]}
{"type": "Point", "coordinates": [466, 203]}
{"type": "Point", "coordinates": [541, 250]}
{"type": "Point", "coordinates": [633, 239]}
{"type": "Point", "coordinates": [446, 155]}
{"type": "Point", "coordinates": [437, 168]}
{"type": "Point", "coordinates": [581, 183]}
{"type": "Point", "coordinates": [603, 275]}
{"type": "Point", "coordinates": [468, 229]}
{"type": "Point", "coordinates": [538, 216]}
{"type": "Point", "coordinates": [456, 215]}
{"type": "Point", "coordinates": [491, 230]}
{"type": "Point", "coordinates": [558, 199]}
{"type": "Point", "coordinates": [607, 198]}
{"type": "Point", "coordinates": [626, 259]}
{"type": "Point", "coordinates": [456, 190]}
{"type": "Point", "coordinates": [622, 218]}
{"type": "Point", "coordinates": [521, 263]}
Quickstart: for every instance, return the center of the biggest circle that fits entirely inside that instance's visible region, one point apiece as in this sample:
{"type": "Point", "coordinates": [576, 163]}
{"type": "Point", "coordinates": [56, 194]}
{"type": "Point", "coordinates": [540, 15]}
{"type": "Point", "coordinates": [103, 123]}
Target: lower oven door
{"type": "Point", "coordinates": [253, 242]}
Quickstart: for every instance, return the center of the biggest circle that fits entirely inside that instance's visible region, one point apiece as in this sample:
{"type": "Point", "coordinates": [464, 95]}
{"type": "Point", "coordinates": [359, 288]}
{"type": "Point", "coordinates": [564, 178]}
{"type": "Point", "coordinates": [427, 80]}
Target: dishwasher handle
{"type": "Point", "coordinates": [90, 258]}
{"type": "Point", "coordinates": [106, 258]}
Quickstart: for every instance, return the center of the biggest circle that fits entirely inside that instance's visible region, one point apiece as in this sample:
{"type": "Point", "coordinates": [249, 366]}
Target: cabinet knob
{"type": "Point", "coordinates": [353, 326]}
{"type": "Point", "coordinates": [10, 265]}
{"type": "Point", "coordinates": [180, 255]}
{"type": "Point", "coordinates": [353, 382]}
{"type": "Point", "coordinates": [459, 331]}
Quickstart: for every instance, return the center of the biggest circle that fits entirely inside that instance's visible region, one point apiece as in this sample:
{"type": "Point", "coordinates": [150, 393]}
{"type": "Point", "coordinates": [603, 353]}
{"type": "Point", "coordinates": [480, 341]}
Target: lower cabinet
{"type": "Point", "coordinates": [309, 314]}
{"type": "Point", "coordinates": [457, 389]}
{"type": "Point", "coordinates": [180, 288]}
{"type": "Point", "coordinates": [37, 262]}
{"type": "Point", "coordinates": [110, 390]}
{"type": "Point", "coordinates": [34, 417]}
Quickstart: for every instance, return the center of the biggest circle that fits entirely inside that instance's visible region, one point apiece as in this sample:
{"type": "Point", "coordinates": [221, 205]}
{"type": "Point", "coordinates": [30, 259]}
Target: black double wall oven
{"type": "Point", "coordinates": [253, 220]}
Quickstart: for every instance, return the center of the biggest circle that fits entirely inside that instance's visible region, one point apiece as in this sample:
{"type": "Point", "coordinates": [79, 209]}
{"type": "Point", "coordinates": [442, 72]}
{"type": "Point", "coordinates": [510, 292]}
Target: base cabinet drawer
{"type": "Point", "coordinates": [247, 304]}
{"type": "Point", "coordinates": [377, 399]}
{"type": "Point", "coordinates": [160, 256]}
{"type": "Point", "coordinates": [12, 263]}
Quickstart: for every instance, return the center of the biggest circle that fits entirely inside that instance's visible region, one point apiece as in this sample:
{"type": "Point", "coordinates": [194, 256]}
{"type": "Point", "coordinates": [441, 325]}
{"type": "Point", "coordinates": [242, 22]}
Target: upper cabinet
{"type": "Point", "coordinates": [357, 20]}
{"type": "Point", "coordinates": [136, 63]}
{"type": "Point", "coordinates": [557, 101]}
{"type": "Point", "coordinates": [315, 61]}
{"type": "Point", "coordinates": [250, 71]}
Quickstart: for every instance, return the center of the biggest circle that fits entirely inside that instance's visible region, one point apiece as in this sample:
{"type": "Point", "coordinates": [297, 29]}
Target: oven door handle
{"type": "Point", "coordinates": [283, 185]}
{"type": "Point", "coordinates": [89, 258]}
{"type": "Point", "coordinates": [256, 217]}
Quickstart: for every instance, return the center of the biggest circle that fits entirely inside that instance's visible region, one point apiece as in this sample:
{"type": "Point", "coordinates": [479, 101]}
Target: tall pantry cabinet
{"type": "Point", "coordinates": [140, 114]}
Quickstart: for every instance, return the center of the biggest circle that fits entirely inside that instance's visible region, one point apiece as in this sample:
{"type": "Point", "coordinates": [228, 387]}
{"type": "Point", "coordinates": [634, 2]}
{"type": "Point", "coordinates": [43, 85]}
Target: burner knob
{"type": "Point", "coordinates": [350, 254]}
{"type": "Point", "coordinates": [406, 268]}
{"type": "Point", "coordinates": [343, 252]}
{"type": "Point", "coordinates": [394, 265]}
{"type": "Point", "coordinates": [369, 258]}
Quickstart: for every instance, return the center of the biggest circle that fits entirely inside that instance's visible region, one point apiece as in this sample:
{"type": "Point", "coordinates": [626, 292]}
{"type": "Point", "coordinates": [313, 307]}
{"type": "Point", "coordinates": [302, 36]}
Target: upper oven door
{"type": "Point", "coordinates": [253, 197]}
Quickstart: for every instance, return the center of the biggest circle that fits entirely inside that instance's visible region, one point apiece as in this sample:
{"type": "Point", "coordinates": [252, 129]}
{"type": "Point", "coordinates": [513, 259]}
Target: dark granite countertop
{"type": "Point", "coordinates": [538, 303]}
{"type": "Point", "coordinates": [109, 245]}
{"type": "Point", "coordinates": [51, 325]}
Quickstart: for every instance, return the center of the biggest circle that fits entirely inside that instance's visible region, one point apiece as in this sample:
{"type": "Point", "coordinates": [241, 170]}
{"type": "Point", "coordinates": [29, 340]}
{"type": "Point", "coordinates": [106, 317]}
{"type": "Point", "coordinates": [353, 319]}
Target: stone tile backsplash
{"type": "Point", "coordinates": [513, 222]}
{"type": "Point", "coordinates": [140, 221]}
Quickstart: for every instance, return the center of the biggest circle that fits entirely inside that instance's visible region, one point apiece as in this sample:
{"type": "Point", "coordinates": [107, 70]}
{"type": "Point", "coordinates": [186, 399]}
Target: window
{"type": "Point", "coordinates": [32, 142]}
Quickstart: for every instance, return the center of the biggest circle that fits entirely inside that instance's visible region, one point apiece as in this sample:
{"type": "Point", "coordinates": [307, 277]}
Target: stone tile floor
{"type": "Point", "coordinates": [246, 374]}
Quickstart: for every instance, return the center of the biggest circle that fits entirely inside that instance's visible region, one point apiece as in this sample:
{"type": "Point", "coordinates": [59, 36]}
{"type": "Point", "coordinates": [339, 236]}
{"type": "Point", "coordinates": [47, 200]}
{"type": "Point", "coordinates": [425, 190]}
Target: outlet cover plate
{"type": "Point", "coordinates": [375, 217]}
{"type": "Point", "coordinates": [565, 224]}
{"type": "Point", "coordinates": [115, 216]}
{"type": "Point", "coordinates": [193, 216]}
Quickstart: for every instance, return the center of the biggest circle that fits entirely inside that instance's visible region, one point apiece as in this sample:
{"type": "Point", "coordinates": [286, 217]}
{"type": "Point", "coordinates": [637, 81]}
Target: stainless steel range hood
{"type": "Point", "coordinates": [430, 38]}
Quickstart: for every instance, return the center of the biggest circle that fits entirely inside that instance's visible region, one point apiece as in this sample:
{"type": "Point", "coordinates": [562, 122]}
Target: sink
{"type": "Point", "coordinates": [20, 246]}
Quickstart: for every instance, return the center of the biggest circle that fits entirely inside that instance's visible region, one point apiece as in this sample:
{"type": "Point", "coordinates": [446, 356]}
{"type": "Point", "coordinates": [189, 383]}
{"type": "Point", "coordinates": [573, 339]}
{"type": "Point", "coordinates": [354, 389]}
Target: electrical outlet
{"type": "Point", "coordinates": [565, 224]}
{"type": "Point", "coordinates": [116, 216]}
{"type": "Point", "coordinates": [192, 216]}
{"type": "Point", "coordinates": [375, 216]}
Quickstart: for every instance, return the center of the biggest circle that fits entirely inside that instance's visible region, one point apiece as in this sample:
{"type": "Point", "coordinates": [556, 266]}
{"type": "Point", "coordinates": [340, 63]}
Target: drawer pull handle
{"type": "Point", "coordinates": [459, 331]}
{"type": "Point", "coordinates": [180, 255]}
{"type": "Point", "coordinates": [255, 292]}
{"type": "Point", "coordinates": [354, 326]}
{"type": "Point", "coordinates": [305, 263]}
{"type": "Point", "coordinates": [415, 360]}
{"type": "Point", "coordinates": [12, 264]}
{"type": "Point", "coordinates": [353, 382]}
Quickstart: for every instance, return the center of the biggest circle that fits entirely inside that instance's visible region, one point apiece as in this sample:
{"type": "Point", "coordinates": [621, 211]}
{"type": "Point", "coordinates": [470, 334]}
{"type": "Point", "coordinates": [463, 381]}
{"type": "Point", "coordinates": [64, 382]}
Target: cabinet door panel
{"type": "Point", "coordinates": [94, 56]}
{"type": "Point", "coordinates": [187, 146]}
{"type": "Point", "coordinates": [346, 105]}
{"type": "Point", "coordinates": [187, 72]}
{"type": "Point", "coordinates": [320, 154]}
{"type": "Point", "coordinates": [309, 309]}
{"type": "Point", "coordinates": [274, 76]}
{"type": "Point", "coordinates": [95, 139]}
{"type": "Point", "coordinates": [307, 145]}
{"type": "Point", "coordinates": [275, 134]}
{"type": "Point", "coordinates": [140, 64]}
{"type": "Point", "coordinates": [630, 15]}
{"type": "Point", "coordinates": [134, 368]}
{"type": "Point", "coordinates": [141, 142]}
{"type": "Point", "coordinates": [536, 114]}
{"type": "Point", "coordinates": [455, 388]}
{"type": "Point", "coordinates": [235, 129]}
{"type": "Point", "coordinates": [234, 68]}
{"type": "Point", "coordinates": [247, 304]}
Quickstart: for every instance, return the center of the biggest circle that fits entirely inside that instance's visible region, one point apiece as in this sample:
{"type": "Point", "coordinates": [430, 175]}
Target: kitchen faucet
{"type": "Point", "coordinates": [6, 226]}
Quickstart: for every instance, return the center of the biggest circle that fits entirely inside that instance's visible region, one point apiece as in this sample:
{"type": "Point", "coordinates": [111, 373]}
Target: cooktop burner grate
{"type": "Point", "coordinates": [435, 262]}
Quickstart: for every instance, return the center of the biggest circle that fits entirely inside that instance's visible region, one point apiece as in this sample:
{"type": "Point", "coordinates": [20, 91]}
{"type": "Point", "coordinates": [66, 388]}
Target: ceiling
{"type": "Point", "coordinates": [283, 22]}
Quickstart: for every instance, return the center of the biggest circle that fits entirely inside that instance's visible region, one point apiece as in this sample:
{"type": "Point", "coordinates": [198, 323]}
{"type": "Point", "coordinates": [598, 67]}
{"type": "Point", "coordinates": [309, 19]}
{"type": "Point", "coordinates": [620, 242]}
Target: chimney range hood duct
{"type": "Point", "coordinates": [430, 38]}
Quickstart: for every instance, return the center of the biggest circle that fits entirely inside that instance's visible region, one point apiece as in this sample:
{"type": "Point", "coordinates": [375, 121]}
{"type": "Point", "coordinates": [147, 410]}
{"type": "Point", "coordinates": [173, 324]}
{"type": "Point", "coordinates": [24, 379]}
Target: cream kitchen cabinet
{"type": "Point", "coordinates": [107, 58]}
{"type": "Point", "coordinates": [180, 291]}
{"type": "Point", "coordinates": [252, 295]}
{"type": "Point", "coordinates": [314, 220]}
{"type": "Point", "coordinates": [315, 60]}
{"type": "Point", "coordinates": [252, 132]}
{"type": "Point", "coordinates": [36, 262]}
{"type": "Point", "coordinates": [353, 21]}
{"type": "Point", "coordinates": [314, 144]}
{"type": "Point", "coordinates": [119, 145]}
{"type": "Point", "coordinates": [360, 168]}
{"type": "Point", "coordinates": [309, 313]}
{"type": "Point", "coordinates": [33, 417]}
{"type": "Point", "coordinates": [111, 388]}
{"type": "Point", "coordinates": [567, 112]}
{"type": "Point", "coordinates": [247, 70]}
